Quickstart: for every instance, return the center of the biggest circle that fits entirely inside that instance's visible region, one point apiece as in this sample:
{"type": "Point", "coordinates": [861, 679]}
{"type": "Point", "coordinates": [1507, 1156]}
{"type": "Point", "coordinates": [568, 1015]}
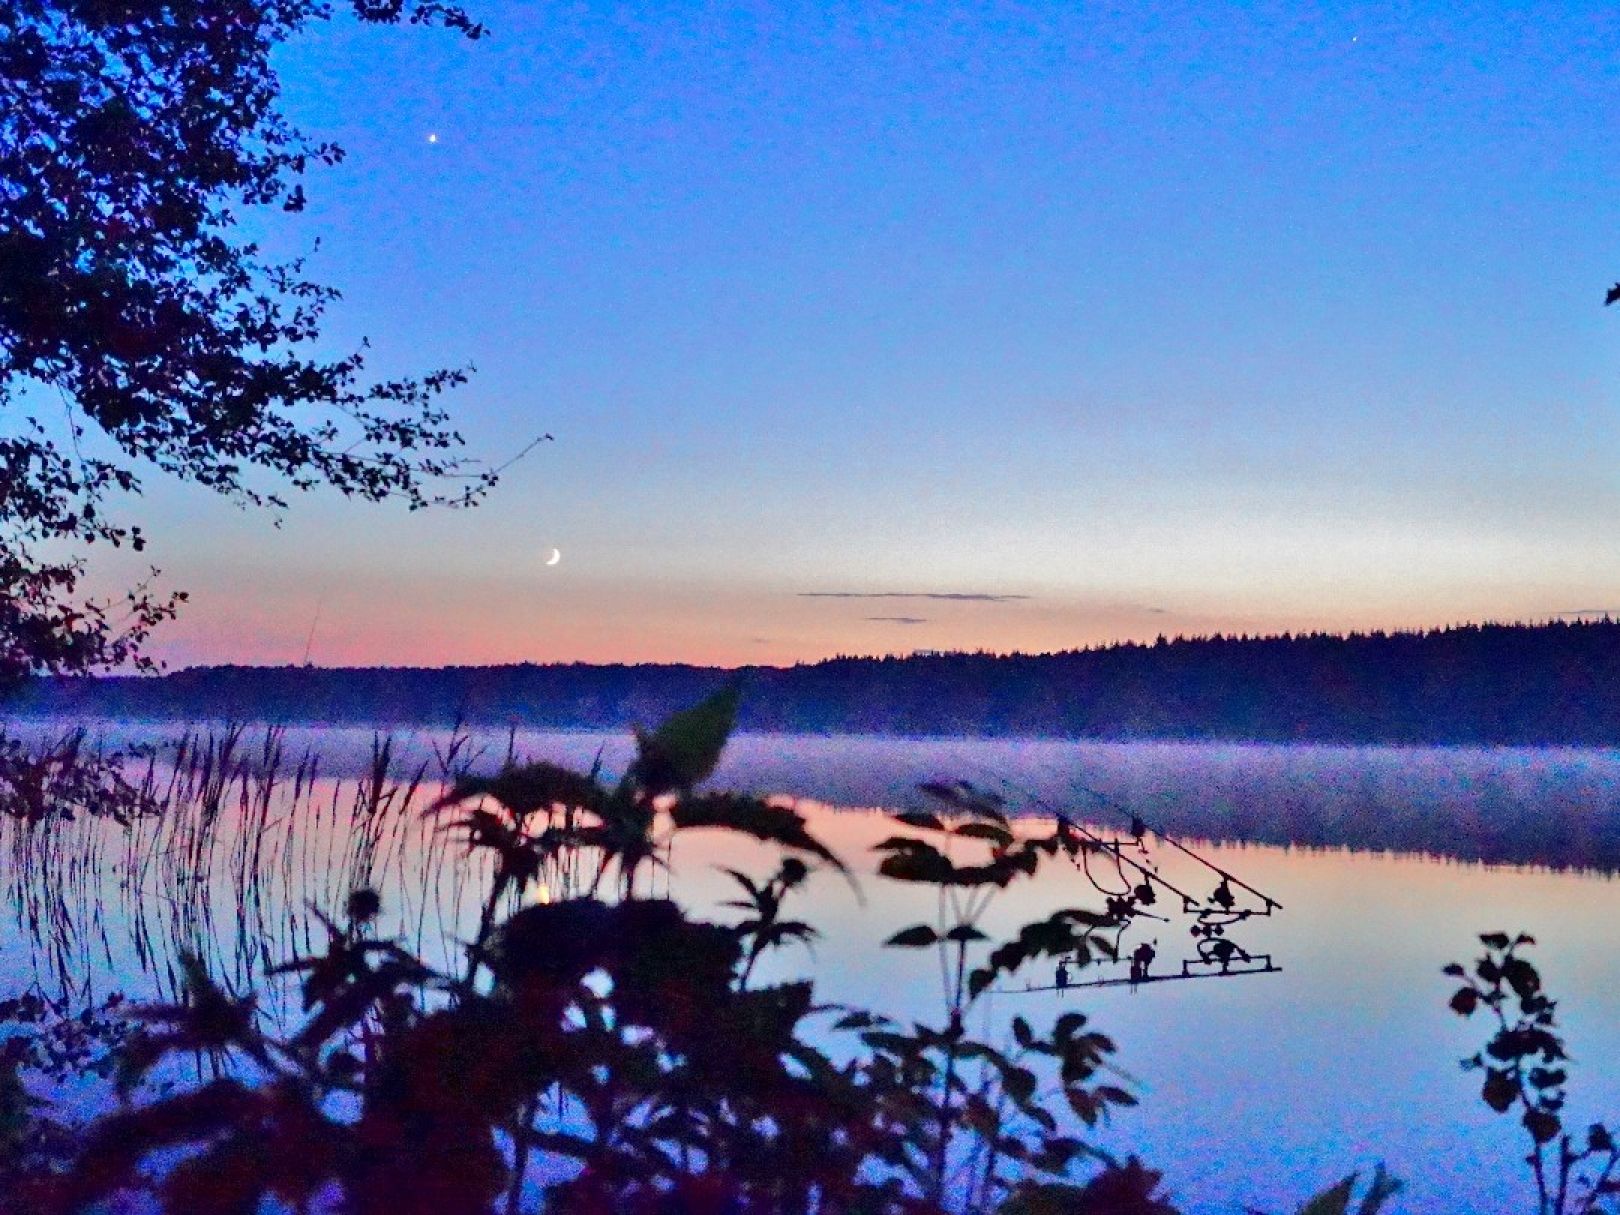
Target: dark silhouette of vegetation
{"type": "Point", "coordinates": [65, 777]}
{"type": "Point", "coordinates": [47, 1038]}
{"type": "Point", "coordinates": [133, 136]}
{"type": "Point", "coordinates": [1556, 683]}
{"type": "Point", "coordinates": [611, 1051]}
{"type": "Point", "coordinates": [1347, 1198]}
{"type": "Point", "coordinates": [1525, 1068]}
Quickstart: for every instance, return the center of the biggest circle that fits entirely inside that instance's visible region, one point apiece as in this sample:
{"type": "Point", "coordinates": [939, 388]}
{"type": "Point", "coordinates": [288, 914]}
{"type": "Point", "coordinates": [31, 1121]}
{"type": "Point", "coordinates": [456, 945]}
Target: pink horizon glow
{"type": "Point", "coordinates": [446, 625]}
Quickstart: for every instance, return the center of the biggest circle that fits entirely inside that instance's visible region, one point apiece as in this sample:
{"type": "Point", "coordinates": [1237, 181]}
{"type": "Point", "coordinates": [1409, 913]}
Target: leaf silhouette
{"type": "Point", "coordinates": [751, 816]}
{"type": "Point", "coordinates": [968, 798]}
{"type": "Point", "coordinates": [993, 832]}
{"type": "Point", "coordinates": [918, 936]}
{"type": "Point", "coordinates": [687, 746]}
{"type": "Point", "coordinates": [1333, 1201]}
{"type": "Point", "coordinates": [1498, 1091]}
{"type": "Point", "coordinates": [525, 789]}
{"type": "Point", "coordinates": [1379, 1190]}
{"type": "Point", "coordinates": [920, 819]}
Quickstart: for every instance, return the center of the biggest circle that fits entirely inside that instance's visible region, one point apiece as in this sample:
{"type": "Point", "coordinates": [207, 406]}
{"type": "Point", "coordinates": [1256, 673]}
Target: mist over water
{"type": "Point", "coordinates": [1555, 807]}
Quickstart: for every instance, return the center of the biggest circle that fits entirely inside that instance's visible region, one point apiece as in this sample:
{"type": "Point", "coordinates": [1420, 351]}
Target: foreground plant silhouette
{"type": "Point", "coordinates": [1524, 1072]}
{"type": "Point", "coordinates": [611, 1051]}
{"type": "Point", "coordinates": [614, 1052]}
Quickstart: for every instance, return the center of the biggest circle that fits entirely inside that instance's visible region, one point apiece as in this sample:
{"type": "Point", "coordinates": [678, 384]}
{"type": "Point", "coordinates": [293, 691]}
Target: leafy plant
{"type": "Point", "coordinates": [1524, 1070]}
{"type": "Point", "coordinates": [613, 1051]}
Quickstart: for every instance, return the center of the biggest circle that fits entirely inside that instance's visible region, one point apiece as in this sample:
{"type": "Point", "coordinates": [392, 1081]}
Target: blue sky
{"type": "Point", "coordinates": [1162, 318]}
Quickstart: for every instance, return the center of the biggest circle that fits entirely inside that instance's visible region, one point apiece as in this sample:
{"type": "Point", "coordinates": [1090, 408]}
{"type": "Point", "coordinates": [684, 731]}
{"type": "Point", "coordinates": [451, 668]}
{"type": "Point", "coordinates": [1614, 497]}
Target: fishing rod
{"type": "Point", "coordinates": [1116, 849]}
{"type": "Point", "coordinates": [1259, 964]}
{"type": "Point", "coordinates": [1137, 820]}
{"type": "Point", "coordinates": [1216, 954]}
{"type": "Point", "coordinates": [1139, 827]}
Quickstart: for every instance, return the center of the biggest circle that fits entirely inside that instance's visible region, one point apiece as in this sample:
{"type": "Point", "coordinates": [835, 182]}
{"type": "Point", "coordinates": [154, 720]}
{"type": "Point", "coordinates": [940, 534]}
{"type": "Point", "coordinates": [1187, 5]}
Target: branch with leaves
{"type": "Point", "coordinates": [133, 138]}
{"type": "Point", "coordinates": [1524, 1070]}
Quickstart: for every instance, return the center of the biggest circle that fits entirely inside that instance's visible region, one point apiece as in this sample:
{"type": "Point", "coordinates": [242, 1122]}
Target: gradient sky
{"type": "Point", "coordinates": [1105, 320]}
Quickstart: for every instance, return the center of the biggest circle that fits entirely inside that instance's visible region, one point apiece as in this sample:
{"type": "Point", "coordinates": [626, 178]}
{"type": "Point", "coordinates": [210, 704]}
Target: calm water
{"type": "Point", "coordinates": [1254, 1089]}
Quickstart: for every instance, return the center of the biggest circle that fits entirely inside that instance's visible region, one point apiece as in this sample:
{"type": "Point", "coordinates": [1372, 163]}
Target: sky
{"type": "Point", "coordinates": [870, 328]}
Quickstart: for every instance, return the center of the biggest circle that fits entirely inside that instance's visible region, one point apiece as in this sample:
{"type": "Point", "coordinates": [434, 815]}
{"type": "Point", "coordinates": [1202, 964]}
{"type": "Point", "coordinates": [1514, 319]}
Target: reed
{"type": "Point", "coordinates": [235, 842]}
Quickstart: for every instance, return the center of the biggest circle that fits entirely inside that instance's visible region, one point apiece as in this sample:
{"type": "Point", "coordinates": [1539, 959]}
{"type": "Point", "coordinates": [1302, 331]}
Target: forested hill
{"type": "Point", "coordinates": [1549, 683]}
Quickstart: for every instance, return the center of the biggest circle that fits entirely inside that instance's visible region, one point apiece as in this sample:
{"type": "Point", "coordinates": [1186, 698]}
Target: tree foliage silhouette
{"type": "Point", "coordinates": [133, 138]}
{"type": "Point", "coordinates": [1556, 683]}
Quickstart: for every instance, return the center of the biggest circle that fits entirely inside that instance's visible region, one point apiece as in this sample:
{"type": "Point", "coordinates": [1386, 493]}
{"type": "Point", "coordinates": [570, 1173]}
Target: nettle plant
{"type": "Point", "coordinates": [1524, 1069]}
{"type": "Point", "coordinates": [613, 1051]}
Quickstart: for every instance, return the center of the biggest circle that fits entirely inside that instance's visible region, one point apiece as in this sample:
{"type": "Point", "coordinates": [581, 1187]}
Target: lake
{"type": "Point", "coordinates": [1255, 1089]}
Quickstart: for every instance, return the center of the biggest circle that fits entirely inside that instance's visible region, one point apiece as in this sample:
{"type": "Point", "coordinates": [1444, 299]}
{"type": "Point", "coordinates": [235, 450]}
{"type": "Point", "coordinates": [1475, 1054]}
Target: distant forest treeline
{"type": "Point", "coordinates": [1524, 684]}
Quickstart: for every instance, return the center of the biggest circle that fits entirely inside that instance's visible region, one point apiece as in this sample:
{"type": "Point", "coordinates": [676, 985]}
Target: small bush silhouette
{"type": "Point", "coordinates": [1524, 1071]}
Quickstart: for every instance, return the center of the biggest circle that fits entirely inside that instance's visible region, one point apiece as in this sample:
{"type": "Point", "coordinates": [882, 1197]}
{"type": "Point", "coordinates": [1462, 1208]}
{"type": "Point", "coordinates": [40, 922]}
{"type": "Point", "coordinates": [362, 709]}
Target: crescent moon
{"type": "Point", "coordinates": [556, 556]}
